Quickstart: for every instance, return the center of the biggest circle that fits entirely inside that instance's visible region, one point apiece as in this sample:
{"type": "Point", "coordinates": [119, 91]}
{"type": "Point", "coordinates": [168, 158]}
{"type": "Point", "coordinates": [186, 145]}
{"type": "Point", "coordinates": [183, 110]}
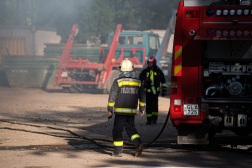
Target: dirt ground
{"type": "Point", "coordinates": [34, 128]}
{"type": "Point", "coordinates": [84, 114]}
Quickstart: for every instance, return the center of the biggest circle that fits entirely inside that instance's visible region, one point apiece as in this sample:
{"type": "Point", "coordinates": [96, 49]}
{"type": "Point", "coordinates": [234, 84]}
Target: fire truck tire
{"type": "Point", "coordinates": [113, 75]}
{"type": "Point", "coordinates": [211, 135]}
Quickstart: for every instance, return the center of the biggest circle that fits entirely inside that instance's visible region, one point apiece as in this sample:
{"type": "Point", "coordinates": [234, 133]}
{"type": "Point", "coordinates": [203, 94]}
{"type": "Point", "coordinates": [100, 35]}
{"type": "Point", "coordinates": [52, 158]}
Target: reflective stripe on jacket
{"type": "Point", "coordinates": [152, 80]}
{"type": "Point", "coordinates": [124, 95]}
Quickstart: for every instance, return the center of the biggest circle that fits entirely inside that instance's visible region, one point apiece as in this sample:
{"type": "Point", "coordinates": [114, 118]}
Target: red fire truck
{"type": "Point", "coordinates": [212, 69]}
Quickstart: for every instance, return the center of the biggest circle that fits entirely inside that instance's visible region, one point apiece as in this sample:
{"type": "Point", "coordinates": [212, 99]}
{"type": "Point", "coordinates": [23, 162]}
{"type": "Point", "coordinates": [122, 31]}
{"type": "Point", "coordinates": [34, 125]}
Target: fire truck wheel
{"type": "Point", "coordinates": [211, 135]}
{"type": "Point", "coordinates": [113, 75]}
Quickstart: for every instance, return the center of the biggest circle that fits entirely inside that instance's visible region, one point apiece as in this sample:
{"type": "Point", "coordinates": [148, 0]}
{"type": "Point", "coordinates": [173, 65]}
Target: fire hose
{"type": "Point", "coordinates": [150, 144]}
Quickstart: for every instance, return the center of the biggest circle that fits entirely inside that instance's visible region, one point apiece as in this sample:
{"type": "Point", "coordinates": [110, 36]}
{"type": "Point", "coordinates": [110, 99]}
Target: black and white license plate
{"type": "Point", "coordinates": [191, 109]}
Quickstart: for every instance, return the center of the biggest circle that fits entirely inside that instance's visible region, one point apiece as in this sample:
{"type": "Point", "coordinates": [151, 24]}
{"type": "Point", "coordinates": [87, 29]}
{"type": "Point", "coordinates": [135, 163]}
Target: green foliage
{"type": "Point", "coordinates": [94, 17]}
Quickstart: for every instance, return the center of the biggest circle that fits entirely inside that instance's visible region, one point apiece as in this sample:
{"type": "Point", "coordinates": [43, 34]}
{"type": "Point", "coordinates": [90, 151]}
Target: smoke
{"type": "Point", "coordinates": [95, 17]}
{"type": "Point", "coordinates": [37, 12]}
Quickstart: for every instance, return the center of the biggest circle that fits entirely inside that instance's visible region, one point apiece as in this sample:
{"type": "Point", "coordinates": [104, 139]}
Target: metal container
{"type": "Point", "coordinates": [30, 71]}
{"type": "Point", "coordinates": [3, 79]}
{"type": "Point", "coordinates": [38, 71]}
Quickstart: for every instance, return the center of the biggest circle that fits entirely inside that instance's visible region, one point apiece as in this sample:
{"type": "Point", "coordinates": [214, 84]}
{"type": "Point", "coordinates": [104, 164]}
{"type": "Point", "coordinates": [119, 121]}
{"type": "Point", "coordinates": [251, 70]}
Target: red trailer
{"type": "Point", "coordinates": [76, 74]}
{"type": "Point", "coordinates": [211, 70]}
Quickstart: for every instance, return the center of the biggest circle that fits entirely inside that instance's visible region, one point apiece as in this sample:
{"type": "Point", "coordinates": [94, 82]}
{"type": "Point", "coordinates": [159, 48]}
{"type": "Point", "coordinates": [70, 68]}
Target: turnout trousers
{"type": "Point", "coordinates": [120, 122]}
{"type": "Point", "coordinates": [152, 107]}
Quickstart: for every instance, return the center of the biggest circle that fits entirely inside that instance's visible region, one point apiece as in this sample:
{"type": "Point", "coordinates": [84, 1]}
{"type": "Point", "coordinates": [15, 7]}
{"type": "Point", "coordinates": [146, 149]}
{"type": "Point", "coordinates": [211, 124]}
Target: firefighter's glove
{"type": "Point", "coordinates": [110, 114]}
{"type": "Point", "coordinates": [163, 93]}
{"type": "Point", "coordinates": [141, 113]}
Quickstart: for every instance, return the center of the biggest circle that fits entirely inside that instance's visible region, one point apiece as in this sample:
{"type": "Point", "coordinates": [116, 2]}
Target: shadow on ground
{"type": "Point", "coordinates": [73, 91]}
{"type": "Point", "coordinates": [93, 123]}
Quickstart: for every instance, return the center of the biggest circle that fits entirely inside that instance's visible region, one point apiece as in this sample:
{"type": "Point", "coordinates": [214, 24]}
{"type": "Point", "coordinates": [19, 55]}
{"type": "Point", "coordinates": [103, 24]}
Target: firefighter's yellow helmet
{"type": "Point", "coordinates": [126, 66]}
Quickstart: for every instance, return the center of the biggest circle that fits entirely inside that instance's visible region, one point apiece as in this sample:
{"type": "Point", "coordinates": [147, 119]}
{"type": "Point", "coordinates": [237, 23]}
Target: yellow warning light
{"type": "Point", "coordinates": [113, 60]}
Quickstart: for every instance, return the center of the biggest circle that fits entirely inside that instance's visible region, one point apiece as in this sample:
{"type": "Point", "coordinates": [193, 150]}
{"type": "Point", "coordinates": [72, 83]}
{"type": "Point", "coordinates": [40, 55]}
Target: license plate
{"type": "Point", "coordinates": [191, 109]}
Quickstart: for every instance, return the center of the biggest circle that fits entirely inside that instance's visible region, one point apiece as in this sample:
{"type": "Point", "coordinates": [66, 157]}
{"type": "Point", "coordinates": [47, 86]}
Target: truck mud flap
{"type": "Point", "coordinates": [193, 134]}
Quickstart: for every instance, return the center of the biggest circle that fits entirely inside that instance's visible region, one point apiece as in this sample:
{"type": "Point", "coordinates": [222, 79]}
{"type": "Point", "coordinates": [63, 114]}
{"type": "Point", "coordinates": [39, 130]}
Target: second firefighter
{"type": "Point", "coordinates": [151, 77]}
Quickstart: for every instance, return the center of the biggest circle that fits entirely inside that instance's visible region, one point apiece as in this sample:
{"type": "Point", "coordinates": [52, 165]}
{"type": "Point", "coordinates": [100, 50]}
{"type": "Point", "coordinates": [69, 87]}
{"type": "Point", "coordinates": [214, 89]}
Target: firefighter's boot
{"type": "Point", "coordinates": [116, 154]}
{"type": "Point", "coordinates": [118, 151]}
{"type": "Point", "coordinates": [139, 150]}
{"type": "Point", "coordinates": [149, 120]}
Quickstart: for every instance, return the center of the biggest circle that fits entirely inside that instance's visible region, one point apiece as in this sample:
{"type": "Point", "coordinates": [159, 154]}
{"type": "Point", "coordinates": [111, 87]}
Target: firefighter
{"type": "Point", "coordinates": [151, 77]}
{"type": "Point", "coordinates": [123, 97]}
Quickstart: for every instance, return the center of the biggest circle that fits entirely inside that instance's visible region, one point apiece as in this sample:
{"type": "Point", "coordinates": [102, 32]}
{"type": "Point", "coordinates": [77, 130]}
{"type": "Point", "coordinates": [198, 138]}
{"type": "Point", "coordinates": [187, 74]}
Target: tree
{"type": "Point", "coordinates": [95, 18]}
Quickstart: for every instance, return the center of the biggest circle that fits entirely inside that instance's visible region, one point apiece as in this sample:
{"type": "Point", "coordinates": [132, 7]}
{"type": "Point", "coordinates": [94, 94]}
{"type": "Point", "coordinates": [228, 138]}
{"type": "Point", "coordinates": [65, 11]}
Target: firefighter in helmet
{"type": "Point", "coordinates": [151, 77]}
{"type": "Point", "coordinates": [123, 98]}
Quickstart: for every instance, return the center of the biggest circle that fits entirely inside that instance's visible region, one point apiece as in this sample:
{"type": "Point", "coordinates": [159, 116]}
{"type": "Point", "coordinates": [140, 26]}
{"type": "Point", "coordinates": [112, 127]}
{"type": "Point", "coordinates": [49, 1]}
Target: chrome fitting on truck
{"type": "Point", "coordinates": [242, 120]}
{"type": "Point", "coordinates": [228, 121]}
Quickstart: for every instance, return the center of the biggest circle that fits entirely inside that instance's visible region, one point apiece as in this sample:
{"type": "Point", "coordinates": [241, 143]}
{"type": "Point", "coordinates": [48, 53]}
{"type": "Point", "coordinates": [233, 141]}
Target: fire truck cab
{"type": "Point", "coordinates": [212, 69]}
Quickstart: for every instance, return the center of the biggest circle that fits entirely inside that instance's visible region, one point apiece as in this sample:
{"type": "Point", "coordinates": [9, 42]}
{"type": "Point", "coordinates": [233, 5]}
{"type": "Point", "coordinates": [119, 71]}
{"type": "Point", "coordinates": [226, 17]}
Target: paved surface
{"type": "Point", "coordinates": [35, 126]}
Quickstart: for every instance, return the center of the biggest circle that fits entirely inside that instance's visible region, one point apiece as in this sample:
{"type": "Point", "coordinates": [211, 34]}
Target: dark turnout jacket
{"type": "Point", "coordinates": [124, 95]}
{"type": "Point", "coordinates": [152, 80]}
